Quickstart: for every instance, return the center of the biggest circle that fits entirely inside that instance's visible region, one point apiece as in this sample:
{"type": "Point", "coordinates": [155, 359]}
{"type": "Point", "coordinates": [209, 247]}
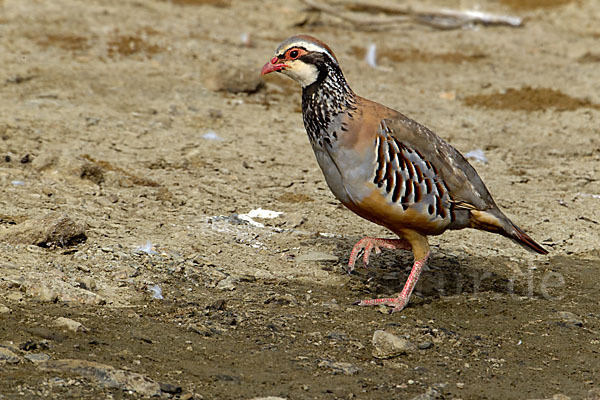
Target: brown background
{"type": "Point", "coordinates": [110, 101]}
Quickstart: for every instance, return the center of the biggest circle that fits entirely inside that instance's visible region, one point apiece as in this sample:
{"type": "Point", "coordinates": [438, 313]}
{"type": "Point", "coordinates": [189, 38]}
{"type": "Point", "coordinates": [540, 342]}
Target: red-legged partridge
{"type": "Point", "coordinates": [386, 167]}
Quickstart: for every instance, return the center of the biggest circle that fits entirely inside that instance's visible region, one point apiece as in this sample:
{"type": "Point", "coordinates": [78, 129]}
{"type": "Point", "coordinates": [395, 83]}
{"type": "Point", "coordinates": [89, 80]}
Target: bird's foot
{"type": "Point", "coordinates": [398, 303]}
{"type": "Point", "coordinates": [368, 244]}
{"type": "Point", "coordinates": [402, 299]}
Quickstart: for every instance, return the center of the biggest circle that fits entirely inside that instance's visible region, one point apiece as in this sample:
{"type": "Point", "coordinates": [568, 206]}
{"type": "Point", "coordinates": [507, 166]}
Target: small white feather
{"type": "Point", "coordinates": [371, 56]}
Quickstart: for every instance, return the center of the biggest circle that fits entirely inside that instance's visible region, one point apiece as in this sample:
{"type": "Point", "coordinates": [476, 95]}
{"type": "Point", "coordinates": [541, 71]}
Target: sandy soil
{"type": "Point", "coordinates": [105, 108]}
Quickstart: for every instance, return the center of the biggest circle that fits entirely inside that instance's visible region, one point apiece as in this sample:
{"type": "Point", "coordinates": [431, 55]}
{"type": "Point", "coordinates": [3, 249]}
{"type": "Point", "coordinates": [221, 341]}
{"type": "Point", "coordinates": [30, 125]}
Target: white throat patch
{"type": "Point", "coordinates": [303, 73]}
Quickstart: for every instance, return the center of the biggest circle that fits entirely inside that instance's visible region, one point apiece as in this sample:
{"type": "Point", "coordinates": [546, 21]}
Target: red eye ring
{"type": "Point", "coordinates": [293, 54]}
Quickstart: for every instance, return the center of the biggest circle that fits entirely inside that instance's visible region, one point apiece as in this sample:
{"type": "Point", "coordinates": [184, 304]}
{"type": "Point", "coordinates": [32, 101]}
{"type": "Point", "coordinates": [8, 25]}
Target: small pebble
{"type": "Point", "coordinates": [386, 345]}
{"type": "Point", "coordinates": [339, 367]}
{"type": "Point", "coordinates": [156, 292]}
{"type": "Point", "coordinates": [46, 294]}
{"type": "Point", "coordinates": [424, 345]}
{"type": "Point", "coordinates": [227, 283]}
{"type": "Point", "coordinates": [570, 319]}
{"type": "Point", "coordinates": [215, 113]}
{"type": "Point", "coordinates": [169, 388]}
{"type": "Point", "coordinates": [37, 357]}
{"type": "Point", "coordinates": [70, 324]}
{"type": "Point", "coordinates": [106, 376]}
{"type": "Point", "coordinates": [8, 356]}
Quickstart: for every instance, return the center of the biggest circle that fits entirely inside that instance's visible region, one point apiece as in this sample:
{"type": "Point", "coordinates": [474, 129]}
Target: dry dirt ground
{"type": "Point", "coordinates": [134, 136]}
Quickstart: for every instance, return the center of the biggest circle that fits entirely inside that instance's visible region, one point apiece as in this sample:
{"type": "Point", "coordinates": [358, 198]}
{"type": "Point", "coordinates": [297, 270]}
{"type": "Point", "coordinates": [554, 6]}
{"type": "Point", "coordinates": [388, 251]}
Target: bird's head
{"type": "Point", "coordinates": [303, 58]}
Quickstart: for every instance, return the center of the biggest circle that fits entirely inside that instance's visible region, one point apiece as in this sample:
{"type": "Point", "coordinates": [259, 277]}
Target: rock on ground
{"type": "Point", "coordinates": [106, 375]}
{"type": "Point", "coordinates": [70, 324]}
{"type": "Point", "coordinates": [339, 367]}
{"type": "Point", "coordinates": [37, 357]}
{"type": "Point", "coordinates": [386, 345]}
{"type": "Point", "coordinates": [8, 356]}
{"type": "Point", "coordinates": [51, 230]}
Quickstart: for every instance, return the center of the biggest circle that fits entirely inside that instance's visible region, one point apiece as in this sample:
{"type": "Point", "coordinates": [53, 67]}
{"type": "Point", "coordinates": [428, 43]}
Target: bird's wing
{"type": "Point", "coordinates": [466, 189]}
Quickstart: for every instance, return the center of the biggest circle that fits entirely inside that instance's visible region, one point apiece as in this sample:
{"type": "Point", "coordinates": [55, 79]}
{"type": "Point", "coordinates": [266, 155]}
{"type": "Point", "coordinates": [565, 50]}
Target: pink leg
{"type": "Point", "coordinates": [369, 243]}
{"type": "Point", "coordinates": [402, 300]}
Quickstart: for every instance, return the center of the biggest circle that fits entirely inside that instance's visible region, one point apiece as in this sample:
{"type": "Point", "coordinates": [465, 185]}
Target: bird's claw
{"type": "Point", "coordinates": [398, 303]}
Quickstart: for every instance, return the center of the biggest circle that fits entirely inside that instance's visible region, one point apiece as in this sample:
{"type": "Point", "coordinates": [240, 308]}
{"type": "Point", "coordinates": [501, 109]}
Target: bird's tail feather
{"type": "Point", "coordinates": [497, 222]}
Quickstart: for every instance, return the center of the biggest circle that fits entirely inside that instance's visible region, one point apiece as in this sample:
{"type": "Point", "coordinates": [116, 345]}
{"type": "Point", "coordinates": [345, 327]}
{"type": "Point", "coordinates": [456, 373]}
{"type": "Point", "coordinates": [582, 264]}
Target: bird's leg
{"type": "Point", "coordinates": [403, 297]}
{"type": "Point", "coordinates": [368, 244]}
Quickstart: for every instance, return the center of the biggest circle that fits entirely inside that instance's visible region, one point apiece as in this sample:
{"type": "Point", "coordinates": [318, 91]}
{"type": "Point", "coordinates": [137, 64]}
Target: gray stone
{"type": "Point", "coordinates": [37, 357]}
{"type": "Point", "coordinates": [70, 324]}
{"type": "Point", "coordinates": [169, 388]}
{"type": "Point", "coordinates": [15, 296]}
{"type": "Point", "coordinates": [4, 309]}
{"type": "Point", "coordinates": [386, 345]}
{"type": "Point", "coordinates": [8, 356]}
{"type": "Point", "coordinates": [569, 319]}
{"type": "Point", "coordinates": [282, 299]}
{"type": "Point", "coordinates": [430, 394]}
{"type": "Point", "coordinates": [227, 283]}
{"type": "Point", "coordinates": [339, 367]}
{"type": "Point", "coordinates": [46, 294]}
{"type": "Point", "coordinates": [424, 345]}
{"type": "Point", "coordinates": [106, 375]}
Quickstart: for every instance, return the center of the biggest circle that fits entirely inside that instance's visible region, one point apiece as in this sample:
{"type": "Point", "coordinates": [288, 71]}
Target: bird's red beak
{"type": "Point", "coordinates": [273, 66]}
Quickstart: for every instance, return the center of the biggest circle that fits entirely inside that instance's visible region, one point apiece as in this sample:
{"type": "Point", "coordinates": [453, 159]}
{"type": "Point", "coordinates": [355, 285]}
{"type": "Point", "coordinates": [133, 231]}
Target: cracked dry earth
{"type": "Point", "coordinates": [136, 136]}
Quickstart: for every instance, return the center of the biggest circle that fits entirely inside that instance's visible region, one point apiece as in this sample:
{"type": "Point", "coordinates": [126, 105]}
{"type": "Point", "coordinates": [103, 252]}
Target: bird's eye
{"type": "Point", "coordinates": [294, 53]}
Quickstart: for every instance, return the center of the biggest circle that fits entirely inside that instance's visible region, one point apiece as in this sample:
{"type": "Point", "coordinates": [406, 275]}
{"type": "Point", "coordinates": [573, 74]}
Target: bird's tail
{"type": "Point", "coordinates": [496, 222]}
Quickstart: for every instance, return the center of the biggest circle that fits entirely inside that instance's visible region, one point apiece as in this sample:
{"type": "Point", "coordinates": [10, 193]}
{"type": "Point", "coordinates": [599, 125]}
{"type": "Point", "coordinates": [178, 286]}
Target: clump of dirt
{"type": "Point", "coordinates": [529, 99]}
{"type": "Point", "coordinates": [523, 5]}
{"type": "Point", "coordinates": [589, 58]}
{"type": "Point", "coordinates": [127, 45]}
{"type": "Point", "coordinates": [95, 174]}
{"type": "Point", "coordinates": [67, 41]}
{"type": "Point", "coordinates": [12, 219]}
{"type": "Point", "coordinates": [415, 55]}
